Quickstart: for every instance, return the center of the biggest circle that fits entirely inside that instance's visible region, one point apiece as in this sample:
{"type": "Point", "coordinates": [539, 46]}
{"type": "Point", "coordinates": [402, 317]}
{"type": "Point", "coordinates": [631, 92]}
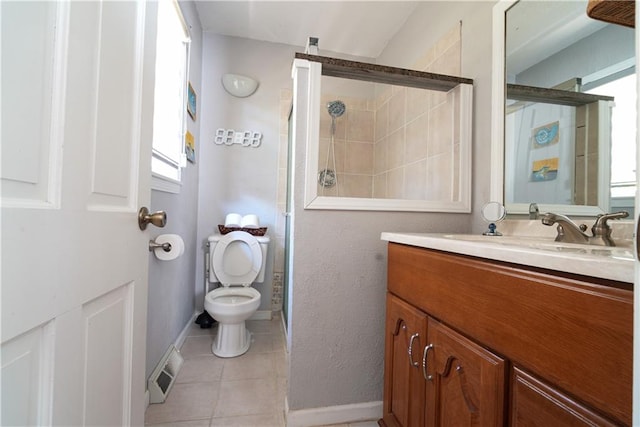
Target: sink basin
{"type": "Point", "coordinates": [619, 252]}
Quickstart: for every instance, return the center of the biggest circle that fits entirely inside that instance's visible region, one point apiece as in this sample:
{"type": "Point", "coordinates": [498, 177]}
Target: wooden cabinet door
{"type": "Point", "coordinates": [534, 403]}
{"type": "Point", "coordinates": [404, 386]}
{"type": "Point", "coordinates": [467, 381]}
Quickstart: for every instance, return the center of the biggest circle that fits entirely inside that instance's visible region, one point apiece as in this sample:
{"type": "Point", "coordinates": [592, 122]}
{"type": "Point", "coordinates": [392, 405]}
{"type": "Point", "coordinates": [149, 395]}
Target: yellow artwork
{"type": "Point", "coordinates": [544, 170]}
{"type": "Point", "coordinates": [190, 147]}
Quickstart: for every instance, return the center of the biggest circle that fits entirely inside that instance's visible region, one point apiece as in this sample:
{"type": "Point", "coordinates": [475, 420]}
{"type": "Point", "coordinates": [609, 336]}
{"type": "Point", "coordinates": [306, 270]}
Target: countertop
{"type": "Point", "coordinates": [613, 263]}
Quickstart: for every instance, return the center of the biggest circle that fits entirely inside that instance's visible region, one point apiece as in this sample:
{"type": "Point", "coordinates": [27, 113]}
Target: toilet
{"type": "Point", "coordinates": [236, 260]}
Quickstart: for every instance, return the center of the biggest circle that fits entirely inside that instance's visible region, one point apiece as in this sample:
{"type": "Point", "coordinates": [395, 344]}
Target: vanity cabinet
{"type": "Point", "coordinates": [450, 380]}
{"type": "Point", "coordinates": [405, 387]}
{"type": "Point", "coordinates": [486, 343]}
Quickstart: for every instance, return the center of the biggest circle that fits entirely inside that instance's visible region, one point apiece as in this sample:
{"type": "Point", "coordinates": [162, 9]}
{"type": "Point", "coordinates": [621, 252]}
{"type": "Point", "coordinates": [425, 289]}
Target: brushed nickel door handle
{"type": "Point", "coordinates": [159, 219]}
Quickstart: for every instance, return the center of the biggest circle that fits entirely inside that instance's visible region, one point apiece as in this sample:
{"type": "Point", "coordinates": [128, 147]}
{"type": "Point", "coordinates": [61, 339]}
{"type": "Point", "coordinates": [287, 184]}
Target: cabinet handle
{"type": "Point", "coordinates": [424, 362]}
{"type": "Point", "coordinates": [410, 350]}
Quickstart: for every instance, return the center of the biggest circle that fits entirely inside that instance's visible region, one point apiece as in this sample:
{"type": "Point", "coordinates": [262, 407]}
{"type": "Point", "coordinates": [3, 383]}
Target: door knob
{"type": "Point", "coordinates": [159, 219]}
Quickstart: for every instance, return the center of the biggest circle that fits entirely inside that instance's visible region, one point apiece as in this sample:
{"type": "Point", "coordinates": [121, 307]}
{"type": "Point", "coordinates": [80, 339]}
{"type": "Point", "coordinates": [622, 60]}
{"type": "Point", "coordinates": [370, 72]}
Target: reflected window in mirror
{"type": "Point", "coordinates": [623, 134]}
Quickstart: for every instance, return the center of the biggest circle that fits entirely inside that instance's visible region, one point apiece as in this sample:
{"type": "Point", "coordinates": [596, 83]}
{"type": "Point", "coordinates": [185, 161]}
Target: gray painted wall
{"type": "Point", "coordinates": [171, 283]}
{"type": "Point", "coordinates": [339, 276]}
{"type": "Point", "coordinates": [236, 178]}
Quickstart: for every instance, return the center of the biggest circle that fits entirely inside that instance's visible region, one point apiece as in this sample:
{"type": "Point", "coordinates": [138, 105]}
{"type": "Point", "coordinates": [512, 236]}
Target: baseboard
{"type": "Point", "coordinates": [185, 331]}
{"type": "Point", "coordinates": [262, 315]}
{"type": "Point", "coordinates": [341, 414]}
{"type": "Point", "coordinates": [287, 345]}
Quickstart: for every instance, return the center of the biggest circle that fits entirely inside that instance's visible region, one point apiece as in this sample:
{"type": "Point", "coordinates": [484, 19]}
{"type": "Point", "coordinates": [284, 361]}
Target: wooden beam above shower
{"type": "Point", "coordinates": [334, 67]}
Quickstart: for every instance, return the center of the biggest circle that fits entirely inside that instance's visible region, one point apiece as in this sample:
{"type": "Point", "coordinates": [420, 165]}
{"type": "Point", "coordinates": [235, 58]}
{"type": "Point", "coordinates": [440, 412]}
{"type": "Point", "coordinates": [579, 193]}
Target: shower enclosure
{"type": "Point", "coordinates": [383, 138]}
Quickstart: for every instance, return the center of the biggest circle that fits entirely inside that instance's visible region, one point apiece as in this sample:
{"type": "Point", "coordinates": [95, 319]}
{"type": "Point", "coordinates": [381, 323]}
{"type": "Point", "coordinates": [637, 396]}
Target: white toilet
{"type": "Point", "coordinates": [237, 259]}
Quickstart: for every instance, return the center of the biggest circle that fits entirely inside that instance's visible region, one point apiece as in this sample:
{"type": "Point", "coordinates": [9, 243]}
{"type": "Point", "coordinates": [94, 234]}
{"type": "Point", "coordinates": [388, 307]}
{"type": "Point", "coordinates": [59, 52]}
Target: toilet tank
{"type": "Point", "coordinates": [264, 245]}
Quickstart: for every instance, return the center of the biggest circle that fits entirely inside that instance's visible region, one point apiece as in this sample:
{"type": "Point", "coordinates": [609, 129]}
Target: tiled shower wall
{"type": "Point", "coordinates": [397, 142]}
{"type": "Point", "coordinates": [353, 147]}
{"type": "Point", "coordinates": [416, 156]}
{"type": "Point", "coordinates": [381, 147]}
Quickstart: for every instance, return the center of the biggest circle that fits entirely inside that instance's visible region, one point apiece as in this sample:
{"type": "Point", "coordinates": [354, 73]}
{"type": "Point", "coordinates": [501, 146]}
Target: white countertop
{"type": "Point", "coordinates": [614, 263]}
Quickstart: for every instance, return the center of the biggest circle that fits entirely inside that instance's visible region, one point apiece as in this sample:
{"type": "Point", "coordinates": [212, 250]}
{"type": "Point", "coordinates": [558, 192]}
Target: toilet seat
{"type": "Point", "coordinates": [233, 296]}
{"type": "Point", "coordinates": [240, 273]}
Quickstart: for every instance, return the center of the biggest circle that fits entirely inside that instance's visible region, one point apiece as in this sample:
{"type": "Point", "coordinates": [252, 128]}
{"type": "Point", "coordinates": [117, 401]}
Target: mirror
{"type": "Point", "coordinates": [564, 117]}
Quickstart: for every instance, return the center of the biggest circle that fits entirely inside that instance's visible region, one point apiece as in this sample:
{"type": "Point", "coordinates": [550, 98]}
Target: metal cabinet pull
{"type": "Point", "coordinates": [410, 351]}
{"type": "Point", "coordinates": [424, 363]}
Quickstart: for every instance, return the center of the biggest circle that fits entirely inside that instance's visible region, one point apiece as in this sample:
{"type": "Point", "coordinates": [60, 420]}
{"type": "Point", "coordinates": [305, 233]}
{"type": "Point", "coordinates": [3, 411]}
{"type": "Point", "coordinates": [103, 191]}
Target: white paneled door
{"type": "Point", "coordinates": [77, 94]}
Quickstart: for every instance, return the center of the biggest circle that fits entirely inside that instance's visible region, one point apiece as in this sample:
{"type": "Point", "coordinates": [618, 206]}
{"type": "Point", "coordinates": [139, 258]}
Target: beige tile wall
{"type": "Point", "coordinates": [352, 147]}
{"type": "Point", "coordinates": [415, 153]}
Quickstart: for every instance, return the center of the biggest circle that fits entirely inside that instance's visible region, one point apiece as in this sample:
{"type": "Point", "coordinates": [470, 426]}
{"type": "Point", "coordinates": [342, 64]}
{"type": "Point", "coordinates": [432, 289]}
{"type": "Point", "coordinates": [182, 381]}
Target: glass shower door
{"type": "Point", "coordinates": [287, 235]}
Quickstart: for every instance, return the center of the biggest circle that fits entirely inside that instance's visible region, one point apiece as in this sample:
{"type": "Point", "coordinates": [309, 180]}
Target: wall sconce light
{"type": "Point", "coordinates": [238, 85]}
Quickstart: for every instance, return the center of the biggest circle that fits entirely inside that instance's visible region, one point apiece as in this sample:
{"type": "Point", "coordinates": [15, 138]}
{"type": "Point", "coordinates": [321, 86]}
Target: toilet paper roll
{"type": "Point", "coordinates": [250, 221]}
{"type": "Point", "coordinates": [177, 247]}
{"type": "Point", "coordinates": [233, 220]}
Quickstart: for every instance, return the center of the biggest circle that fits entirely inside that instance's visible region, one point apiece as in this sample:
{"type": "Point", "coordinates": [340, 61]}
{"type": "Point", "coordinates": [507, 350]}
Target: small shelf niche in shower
{"type": "Point", "coordinates": [362, 155]}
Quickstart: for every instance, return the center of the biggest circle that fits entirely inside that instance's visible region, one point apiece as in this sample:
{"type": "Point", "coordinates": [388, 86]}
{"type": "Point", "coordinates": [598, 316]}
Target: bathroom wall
{"type": "Point", "coordinates": [171, 283]}
{"type": "Point", "coordinates": [235, 178]}
{"type": "Point", "coordinates": [416, 155]}
{"type": "Point", "coordinates": [339, 271]}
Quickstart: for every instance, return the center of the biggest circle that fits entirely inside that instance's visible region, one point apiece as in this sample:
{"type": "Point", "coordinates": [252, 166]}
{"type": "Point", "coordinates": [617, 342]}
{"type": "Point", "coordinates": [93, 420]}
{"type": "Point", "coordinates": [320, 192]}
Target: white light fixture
{"type": "Point", "coordinates": [238, 85]}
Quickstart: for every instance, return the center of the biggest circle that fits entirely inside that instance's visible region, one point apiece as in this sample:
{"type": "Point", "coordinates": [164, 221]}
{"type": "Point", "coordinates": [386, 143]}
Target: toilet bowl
{"type": "Point", "coordinates": [237, 259]}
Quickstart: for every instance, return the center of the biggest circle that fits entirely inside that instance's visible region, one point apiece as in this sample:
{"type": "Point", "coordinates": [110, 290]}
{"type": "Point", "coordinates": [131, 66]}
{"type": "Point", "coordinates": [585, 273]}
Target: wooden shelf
{"type": "Point", "coordinates": [552, 96]}
{"type": "Point", "coordinates": [621, 12]}
{"type": "Point", "coordinates": [355, 70]}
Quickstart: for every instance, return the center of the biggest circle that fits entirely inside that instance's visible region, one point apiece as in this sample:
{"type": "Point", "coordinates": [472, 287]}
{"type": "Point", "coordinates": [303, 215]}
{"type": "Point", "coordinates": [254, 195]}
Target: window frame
{"type": "Point", "coordinates": [160, 181]}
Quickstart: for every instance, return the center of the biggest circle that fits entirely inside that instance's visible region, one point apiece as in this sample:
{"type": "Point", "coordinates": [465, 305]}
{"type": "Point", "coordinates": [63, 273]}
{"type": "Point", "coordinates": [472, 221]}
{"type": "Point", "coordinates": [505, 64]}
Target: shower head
{"type": "Point", "coordinates": [336, 108]}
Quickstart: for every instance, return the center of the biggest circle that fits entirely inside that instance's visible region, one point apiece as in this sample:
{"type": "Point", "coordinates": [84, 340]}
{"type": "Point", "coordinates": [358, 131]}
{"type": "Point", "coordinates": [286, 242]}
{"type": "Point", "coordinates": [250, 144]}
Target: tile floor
{"type": "Point", "coordinates": [244, 391]}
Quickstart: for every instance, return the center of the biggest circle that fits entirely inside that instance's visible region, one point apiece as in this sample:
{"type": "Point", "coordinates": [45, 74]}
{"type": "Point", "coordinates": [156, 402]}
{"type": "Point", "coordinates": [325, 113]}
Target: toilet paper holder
{"type": "Point", "coordinates": [165, 246]}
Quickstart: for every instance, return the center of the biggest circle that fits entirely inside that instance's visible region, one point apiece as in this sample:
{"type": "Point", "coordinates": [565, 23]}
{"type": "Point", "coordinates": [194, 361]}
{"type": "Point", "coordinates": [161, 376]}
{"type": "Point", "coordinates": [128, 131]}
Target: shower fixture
{"type": "Point", "coordinates": [336, 108]}
{"type": "Point", "coordinates": [327, 178]}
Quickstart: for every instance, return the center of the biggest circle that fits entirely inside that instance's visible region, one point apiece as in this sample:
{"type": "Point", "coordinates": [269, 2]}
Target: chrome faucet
{"type": "Point", "coordinates": [569, 232]}
{"type": "Point", "coordinates": [601, 230]}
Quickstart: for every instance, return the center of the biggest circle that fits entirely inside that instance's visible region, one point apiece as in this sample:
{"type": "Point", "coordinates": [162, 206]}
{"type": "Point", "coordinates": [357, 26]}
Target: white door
{"type": "Point", "coordinates": [76, 102]}
{"type": "Point", "coordinates": [636, 301]}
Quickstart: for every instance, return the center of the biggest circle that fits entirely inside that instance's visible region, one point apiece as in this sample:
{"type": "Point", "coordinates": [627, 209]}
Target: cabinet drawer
{"type": "Point", "coordinates": [534, 403]}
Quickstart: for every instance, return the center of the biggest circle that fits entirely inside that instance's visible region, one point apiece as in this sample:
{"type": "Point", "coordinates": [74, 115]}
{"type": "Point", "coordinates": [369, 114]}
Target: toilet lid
{"type": "Point", "coordinates": [237, 259]}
